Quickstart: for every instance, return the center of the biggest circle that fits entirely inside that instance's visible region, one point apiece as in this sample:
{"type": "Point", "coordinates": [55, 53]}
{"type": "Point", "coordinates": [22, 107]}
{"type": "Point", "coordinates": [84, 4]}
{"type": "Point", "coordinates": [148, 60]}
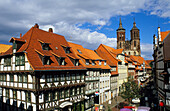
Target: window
{"type": "Point", "coordinates": [78, 76]}
{"type": "Point", "coordinates": [82, 90]}
{"type": "Point", "coordinates": [7, 93]}
{"type": "Point", "coordinates": [129, 53]}
{"type": "Point", "coordinates": [82, 76]}
{"type": "Point", "coordinates": [14, 94]}
{"type": "Point", "coordinates": [68, 77]}
{"type": "Point", "coordinates": [25, 78]}
{"type": "Point", "coordinates": [55, 95]}
{"type": "Point", "coordinates": [20, 60]}
{"type": "Point", "coordinates": [68, 50]}
{"type": "Point", "coordinates": [76, 62]}
{"type": "Point", "coordinates": [78, 90]}
{"type": "Point", "coordinates": [20, 78]}
{"type": "Point", "coordinates": [75, 91]}
{"type": "Point", "coordinates": [105, 63]}
{"type": "Point", "coordinates": [7, 61]}
{"type": "Point", "coordinates": [134, 43]}
{"type": "Point", "coordinates": [49, 78]}
{"type": "Point", "coordinates": [45, 46]}
{"type": "Point", "coordinates": [134, 53]}
{"type": "Point", "coordinates": [67, 93]}
{"type": "Point", "coordinates": [62, 77]}
{"type": "Point", "coordinates": [14, 45]}
{"type": "Point", "coordinates": [120, 45]}
{"type": "Point", "coordinates": [61, 94]}
{"type": "Point", "coordinates": [49, 96]}
{"type": "Point", "coordinates": [73, 77]}
{"type": "Point", "coordinates": [46, 60]}
{"type": "Point", "coordinates": [62, 61]}
{"type": "Point", "coordinates": [87, 62]}
{"type": "Point", "coordinates": [56, 78]}
{"type": "Point", "coordinates": [46, 97]}
{"type": "Point", "coordinates": [100, 62]}
{"type": "Point", "coordinates": [93, 62]}
{"type": "Point", "coordinates": [12, 78]}
{"type": "Point", "coordinates": [79, 51]}
{"type": "Point", "coordinates": [28, 96]}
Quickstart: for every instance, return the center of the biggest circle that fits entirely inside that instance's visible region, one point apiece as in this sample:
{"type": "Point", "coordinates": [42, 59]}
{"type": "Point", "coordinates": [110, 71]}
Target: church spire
{"type": "Point", "coordinates": [134, 25]}
{"type": "Point", "coordinates": [120, 25]}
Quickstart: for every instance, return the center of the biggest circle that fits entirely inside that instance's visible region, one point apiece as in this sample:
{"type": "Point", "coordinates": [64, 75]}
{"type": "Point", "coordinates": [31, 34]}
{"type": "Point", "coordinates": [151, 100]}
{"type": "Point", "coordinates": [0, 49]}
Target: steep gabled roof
{"type": "Point", "coordinates": [32, 47]}
{"type": "Point", "coordinates": [164, 34]}
{"type": "Point", "coordinates": [85, 54]}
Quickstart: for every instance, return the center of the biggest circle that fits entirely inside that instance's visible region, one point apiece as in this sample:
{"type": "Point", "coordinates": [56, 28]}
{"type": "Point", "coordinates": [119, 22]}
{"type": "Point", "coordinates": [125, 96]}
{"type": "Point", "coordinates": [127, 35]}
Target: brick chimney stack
{"type": "Point", "coordinates": [50, 30]}
{"type": "Point", "coordinates": [36, 26]}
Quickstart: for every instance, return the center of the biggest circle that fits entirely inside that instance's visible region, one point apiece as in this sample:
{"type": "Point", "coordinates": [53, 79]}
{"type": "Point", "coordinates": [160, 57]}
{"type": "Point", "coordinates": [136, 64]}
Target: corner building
{"type": "Point", "coordinates": [36, 74]}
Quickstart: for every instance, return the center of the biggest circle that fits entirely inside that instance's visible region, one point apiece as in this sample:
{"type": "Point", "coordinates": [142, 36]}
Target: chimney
{"type": "Point", "coordinates": [20, 35]}
{"type": "Point", "coordinates": [36, 26]}
{"type": "Point", "coordinates": [50, 30]}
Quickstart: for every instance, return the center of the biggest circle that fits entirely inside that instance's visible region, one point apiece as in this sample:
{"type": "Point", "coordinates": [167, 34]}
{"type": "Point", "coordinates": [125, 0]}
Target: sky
{"type": "Point", "coordinates": [86, 22]}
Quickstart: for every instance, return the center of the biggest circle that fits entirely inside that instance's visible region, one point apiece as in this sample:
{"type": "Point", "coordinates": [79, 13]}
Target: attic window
{"type": "Point", "coordinates": [76, 62]}
{"type": "Point", "coordinates": [46, 60]}
{"type": "Point", "coordinates": [100, 63]}
{"type": "Point", "coordinates": [45, 46]}
{"type": "Point", "coordinates": [79, 51]}
{"type": "Point", "coordinates": [68, 50]}
{"type": "Point", "coordinates": [62, 61]}
{"type": "Point", "coordinates": [87, 62]}
{"type": "Point", "coordinates": [14, 45]}
{"type": "Point", "coordinates": [93, 62]}
{"type": "Point", "coordinates": [105, 63]}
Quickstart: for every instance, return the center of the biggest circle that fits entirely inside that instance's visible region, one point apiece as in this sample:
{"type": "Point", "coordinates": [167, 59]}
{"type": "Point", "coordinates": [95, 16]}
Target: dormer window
{"type": "Point", "coordinates": [62, 61]}
{"type": "Point", "coordinates": [46, 60]}
{"type": "Point", "coordinates": [45, 46]}
{"type": "Point", "coordinates": [14, 45]}
{"type": "Point", "coordinates": [105, 63]}
{"type": "Point", "coordinates": [93, 62]}
{"type": "Point", "coordinates": [100, 63]}
{"type": "Point", "coordinates": [76, 62]}
{"type": "Point", "coordinates": [87, 61]}
{"type": "Point", "coordinates": [79, 51]}
{"type": "Point", "coordinates": [68, 50]}
{"type": "Point", "coordinates": [7, 61]}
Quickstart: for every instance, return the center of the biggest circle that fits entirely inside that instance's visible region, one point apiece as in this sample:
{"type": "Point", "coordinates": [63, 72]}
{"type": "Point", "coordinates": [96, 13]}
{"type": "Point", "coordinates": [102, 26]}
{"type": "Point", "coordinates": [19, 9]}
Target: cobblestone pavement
{"type": "Point", "coordinates": [113, 104]}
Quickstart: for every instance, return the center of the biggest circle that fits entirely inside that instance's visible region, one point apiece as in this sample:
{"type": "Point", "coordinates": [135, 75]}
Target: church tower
{"type": "Point", "coordinates": [120, 36]}
{"type": "Point", "coordinates": [135, 40]}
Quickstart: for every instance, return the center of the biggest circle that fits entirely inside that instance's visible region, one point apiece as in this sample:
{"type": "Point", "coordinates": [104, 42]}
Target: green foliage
{"type": "Point", "coordinates": [130, 90]}
{"type": "Point", "coordinates": [109, 109]}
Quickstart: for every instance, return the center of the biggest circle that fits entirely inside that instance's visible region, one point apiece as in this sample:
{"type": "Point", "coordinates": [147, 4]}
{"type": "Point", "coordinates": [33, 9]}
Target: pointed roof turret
{"type": "Point", "coordinates": [120, 25]}
{"type": "Point", "coordinates": [134, 25]}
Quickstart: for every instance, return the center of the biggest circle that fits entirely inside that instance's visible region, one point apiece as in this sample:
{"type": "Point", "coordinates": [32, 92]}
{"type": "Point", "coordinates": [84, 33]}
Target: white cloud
{"type": "Point", "coordinates": [82, 36]}
{"type": "Point", "coordinates": [147, 51]}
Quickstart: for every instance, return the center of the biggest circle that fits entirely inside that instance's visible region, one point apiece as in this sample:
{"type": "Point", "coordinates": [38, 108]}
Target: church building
{"type": "Point", "coordinates": [132, 46]}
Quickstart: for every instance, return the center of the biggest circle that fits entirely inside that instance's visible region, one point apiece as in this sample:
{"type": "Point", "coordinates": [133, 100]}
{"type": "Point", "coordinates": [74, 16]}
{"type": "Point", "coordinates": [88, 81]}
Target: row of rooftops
{"type": "Point", "coordinates": [38, 44]}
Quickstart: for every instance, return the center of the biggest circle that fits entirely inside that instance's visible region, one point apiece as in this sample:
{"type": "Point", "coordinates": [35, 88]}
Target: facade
{"type": "Point", "coordinates": [97, 77]}
{"type": "Point", "coordinates": [142, 70]}
{"type": "Point", "coordinates": [161, 66]}
{"type": "Point", "coordinates": [116, 60]}
{"type": "Point", "coordinates": [132, 46]}
{"type": "Point", "coordinates": [36, 73]}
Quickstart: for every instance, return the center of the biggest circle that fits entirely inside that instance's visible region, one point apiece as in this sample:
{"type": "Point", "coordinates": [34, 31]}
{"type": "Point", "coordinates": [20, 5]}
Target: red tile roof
{"type": "Point", "coordinates": [84, 54]}
{"type": "Point", "coordinates": [34, 38]}
{"type": "Point", "coordinates": [164, 34]}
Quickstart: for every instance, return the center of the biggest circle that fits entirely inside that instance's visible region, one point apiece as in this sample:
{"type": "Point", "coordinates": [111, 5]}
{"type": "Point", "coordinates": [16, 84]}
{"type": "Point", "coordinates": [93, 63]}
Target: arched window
{"type": "Point", "coordinates": [120, 45]}
{"type": "Point", "coordinates": [129, 53]}
{"type": "Point", "coordinates": [134, 43]}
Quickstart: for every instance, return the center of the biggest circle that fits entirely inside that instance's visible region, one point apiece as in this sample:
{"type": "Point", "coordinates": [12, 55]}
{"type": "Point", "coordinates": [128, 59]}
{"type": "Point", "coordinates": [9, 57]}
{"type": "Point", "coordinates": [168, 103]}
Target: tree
{"type": "Point", "coordinates": [130, 90]}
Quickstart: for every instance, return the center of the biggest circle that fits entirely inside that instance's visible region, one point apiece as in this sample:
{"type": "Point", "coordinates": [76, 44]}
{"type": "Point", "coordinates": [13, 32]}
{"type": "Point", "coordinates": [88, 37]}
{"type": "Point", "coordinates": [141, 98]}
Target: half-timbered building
{"type": "Point", "coordinates": [97, 72]}
{"type": "Point", "coordinates": [41, 72]}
